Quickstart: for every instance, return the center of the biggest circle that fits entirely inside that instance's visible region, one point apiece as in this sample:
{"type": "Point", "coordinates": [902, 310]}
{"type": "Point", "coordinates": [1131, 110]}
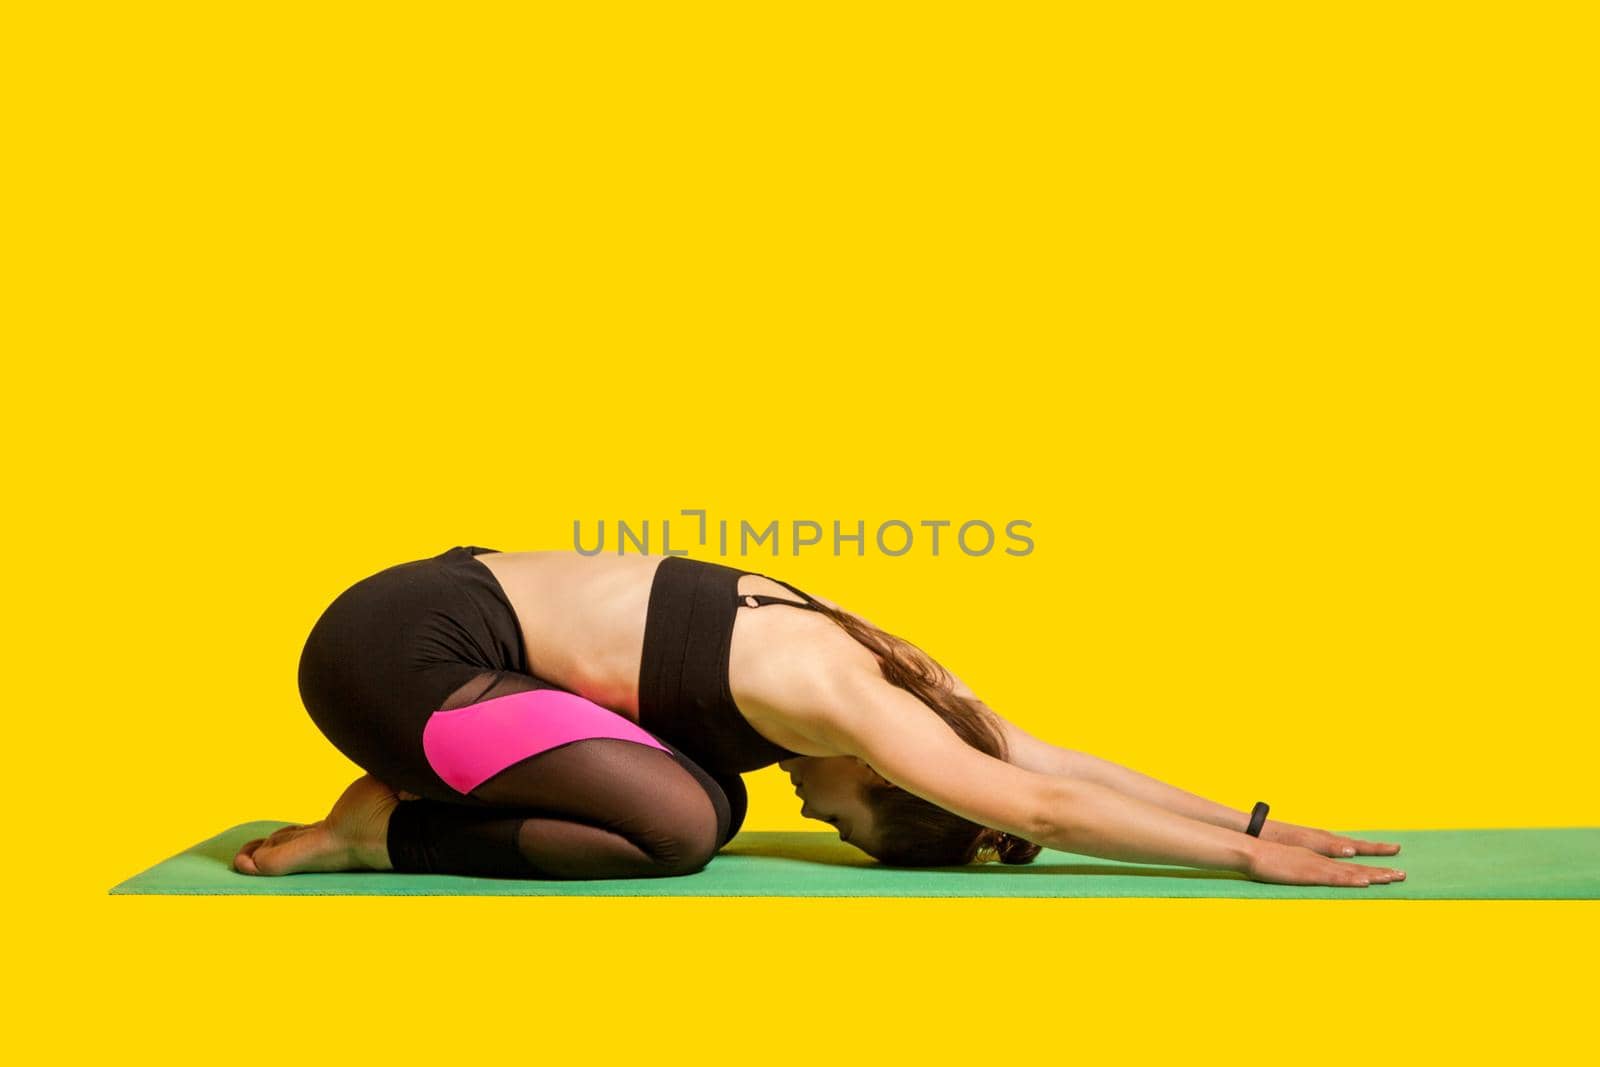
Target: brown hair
{"type": "Point", "coordinates": [913, 832]}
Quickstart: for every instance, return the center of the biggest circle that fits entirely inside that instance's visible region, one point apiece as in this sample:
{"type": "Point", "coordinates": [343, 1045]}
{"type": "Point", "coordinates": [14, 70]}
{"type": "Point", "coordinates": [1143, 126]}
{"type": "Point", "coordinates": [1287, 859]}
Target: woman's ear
{"type": "Point", "coordinates": [872, 772]}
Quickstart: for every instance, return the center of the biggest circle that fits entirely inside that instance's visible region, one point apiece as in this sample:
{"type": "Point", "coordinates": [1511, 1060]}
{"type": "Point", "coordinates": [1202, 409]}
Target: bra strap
{"type": "Point", "coordinates": [744, 598]}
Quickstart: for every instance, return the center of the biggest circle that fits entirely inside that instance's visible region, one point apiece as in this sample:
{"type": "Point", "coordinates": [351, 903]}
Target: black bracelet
{"type": "Point", "coordinates": [1258, 815]}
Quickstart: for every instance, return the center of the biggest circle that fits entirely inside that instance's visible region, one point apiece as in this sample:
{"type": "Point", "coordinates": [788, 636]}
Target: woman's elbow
{"type": "Point", "coordinates": [1055, 813]}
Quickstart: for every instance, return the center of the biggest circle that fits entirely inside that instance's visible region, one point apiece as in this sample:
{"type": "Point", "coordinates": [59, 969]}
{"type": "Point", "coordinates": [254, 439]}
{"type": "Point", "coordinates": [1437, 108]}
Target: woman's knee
{"type": "Point", "coordinates": [682, 836]}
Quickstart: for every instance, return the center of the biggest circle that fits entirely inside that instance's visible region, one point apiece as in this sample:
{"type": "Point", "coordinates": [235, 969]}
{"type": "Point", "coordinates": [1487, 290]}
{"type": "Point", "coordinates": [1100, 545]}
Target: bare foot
{"type": "Point", "coordinates": [354, 837]}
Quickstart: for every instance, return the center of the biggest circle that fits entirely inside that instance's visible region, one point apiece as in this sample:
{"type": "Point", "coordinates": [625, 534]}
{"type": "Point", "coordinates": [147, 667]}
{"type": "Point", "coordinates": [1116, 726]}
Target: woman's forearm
{"type": "Point", "coordinates": [1094, 820]}
{"type": "Point", "coordinates": [1125, 780]}
{"type": "Point", "coordinates": [1036, 754]}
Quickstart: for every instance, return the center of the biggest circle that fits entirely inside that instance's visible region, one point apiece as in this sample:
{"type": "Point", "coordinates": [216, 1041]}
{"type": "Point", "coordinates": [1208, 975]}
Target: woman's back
{"type": "Point", "coordinates": [583, 625]}
{"type": "Point", "coordinates": [582, 619]}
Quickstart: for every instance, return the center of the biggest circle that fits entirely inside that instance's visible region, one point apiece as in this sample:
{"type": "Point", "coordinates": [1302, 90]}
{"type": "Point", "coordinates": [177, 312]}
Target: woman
{"type": "Point", "coordinates": [554, 715]}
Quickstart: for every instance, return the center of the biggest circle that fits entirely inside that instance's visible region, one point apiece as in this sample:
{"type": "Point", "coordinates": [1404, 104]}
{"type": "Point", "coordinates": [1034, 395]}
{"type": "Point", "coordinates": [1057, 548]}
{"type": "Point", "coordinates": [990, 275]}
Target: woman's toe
{"type": "Point", "coordinates": [268, 858]}
{"type": "Point", "coordinates": [244, 860]}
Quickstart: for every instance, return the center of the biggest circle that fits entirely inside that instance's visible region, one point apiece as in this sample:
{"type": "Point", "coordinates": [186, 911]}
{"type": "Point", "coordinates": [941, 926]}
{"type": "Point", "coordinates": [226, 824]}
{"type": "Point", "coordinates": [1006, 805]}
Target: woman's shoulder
{"type": "Point", "coordinates": [794, 664]}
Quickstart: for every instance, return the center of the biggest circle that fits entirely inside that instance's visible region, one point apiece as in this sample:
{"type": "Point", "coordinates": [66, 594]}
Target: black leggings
{"type": "Point", "coordinates": [418, 675]}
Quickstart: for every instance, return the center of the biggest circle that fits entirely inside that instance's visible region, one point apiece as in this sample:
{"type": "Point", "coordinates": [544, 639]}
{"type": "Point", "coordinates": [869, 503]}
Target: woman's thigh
{"type": "Point", "coordinates": [511, 741]}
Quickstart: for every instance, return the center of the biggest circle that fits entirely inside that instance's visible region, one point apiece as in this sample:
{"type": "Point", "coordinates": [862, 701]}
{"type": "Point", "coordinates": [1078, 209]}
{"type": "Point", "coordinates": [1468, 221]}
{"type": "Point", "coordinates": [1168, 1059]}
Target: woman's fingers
{"type": "Point", "coordinates": [1350, 846]}
{"type": "Point", "coordinates": [1324, 842]}
{"type": "Point", "coordinates": [1357, 874]}
{"type": "Point", "coordinates": [1376, 848]}
{"type": "Point", "coordinates": [1341, 847]}
{"type": "Point", "coordinates": [1297, 865]}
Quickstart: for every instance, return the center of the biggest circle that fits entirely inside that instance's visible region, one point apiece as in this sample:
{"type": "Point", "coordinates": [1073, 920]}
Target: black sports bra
{"type": "Point", "coordinates": [684, 697]}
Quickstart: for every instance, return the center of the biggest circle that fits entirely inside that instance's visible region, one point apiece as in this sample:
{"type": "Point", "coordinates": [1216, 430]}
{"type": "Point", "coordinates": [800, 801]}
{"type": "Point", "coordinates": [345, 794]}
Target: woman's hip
{"type": "Point", "coordinates": [389, 649]}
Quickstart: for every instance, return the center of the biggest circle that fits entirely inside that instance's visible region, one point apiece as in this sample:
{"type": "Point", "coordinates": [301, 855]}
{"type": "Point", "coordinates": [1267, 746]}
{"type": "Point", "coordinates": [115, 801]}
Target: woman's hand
{"type": "Point", "coordinates": [1294, 865]}
{"type": "Point", "coordinates": [1322, 842]}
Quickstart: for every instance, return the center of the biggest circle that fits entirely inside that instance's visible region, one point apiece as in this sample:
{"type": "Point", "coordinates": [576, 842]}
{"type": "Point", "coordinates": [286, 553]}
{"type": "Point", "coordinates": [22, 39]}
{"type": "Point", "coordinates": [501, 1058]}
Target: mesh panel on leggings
{"type": "Point", "coordinates": [594, 808]}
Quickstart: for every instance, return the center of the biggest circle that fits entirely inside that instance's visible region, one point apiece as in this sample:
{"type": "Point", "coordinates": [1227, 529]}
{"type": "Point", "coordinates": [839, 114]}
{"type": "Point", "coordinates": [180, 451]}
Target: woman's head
{"type": "Point", "coordinates": [879, 817]}
{"type": "Point", "coordinates": [890, 824]}
{"type": "Point", "coordinates": [836, 790]}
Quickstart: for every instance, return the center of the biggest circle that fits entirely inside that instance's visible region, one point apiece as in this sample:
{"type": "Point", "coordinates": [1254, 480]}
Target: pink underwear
{"type": "Point", "coordinates": [468, 746]}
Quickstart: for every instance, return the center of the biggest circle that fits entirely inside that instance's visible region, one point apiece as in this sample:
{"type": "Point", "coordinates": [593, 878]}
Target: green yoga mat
{"type": "Point", "coordinates": [1501, 864]}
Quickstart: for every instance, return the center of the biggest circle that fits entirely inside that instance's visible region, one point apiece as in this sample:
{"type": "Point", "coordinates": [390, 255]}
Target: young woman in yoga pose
{"type": "Point", "coordinates": [554, 715]}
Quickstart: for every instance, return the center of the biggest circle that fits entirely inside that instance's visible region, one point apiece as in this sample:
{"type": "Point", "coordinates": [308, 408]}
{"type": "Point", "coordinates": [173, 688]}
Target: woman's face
{"type": "Point", "coordinates": [831, 789]}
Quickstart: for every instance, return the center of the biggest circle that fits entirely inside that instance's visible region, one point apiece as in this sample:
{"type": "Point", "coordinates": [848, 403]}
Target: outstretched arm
{"type": "Point", "coordinates": [1038, 755]}
{"type": "Point", "coordinates": [1034, 754]}
{"type": "Point", "coordinates": [902, 739]}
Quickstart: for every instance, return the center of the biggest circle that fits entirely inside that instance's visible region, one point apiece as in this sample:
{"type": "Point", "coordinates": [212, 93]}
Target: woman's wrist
{"type": "Point", "coordinates": [1250, 851]}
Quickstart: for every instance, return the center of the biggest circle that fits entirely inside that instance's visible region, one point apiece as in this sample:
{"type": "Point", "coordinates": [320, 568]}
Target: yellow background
{"type": "Point", "coordinates": [1278, 325]}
